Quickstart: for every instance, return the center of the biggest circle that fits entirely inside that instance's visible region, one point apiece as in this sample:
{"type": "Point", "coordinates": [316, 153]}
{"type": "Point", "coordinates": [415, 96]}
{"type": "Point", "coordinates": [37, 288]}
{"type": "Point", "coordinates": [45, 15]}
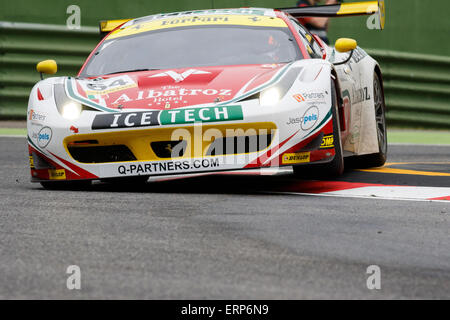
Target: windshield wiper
{"type": "Point", "coordinates": [133, 70]}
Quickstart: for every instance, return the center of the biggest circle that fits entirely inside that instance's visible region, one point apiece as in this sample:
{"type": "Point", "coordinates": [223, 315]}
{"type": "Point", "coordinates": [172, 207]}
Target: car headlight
{"type": "Point", "coordinates": [68, 108]}
{"type": "Point", "coordinates": [71, 110]}
{"type": "Point", "coordinates": [269, 97]}
{"type": "Point", "coordinates": [274, 94]}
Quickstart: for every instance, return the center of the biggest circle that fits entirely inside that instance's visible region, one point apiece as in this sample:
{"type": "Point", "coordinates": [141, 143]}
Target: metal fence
{"type": "Point", "coordinates": [417, 86]}
{"type": "Point", "coordinates": [22, 45]}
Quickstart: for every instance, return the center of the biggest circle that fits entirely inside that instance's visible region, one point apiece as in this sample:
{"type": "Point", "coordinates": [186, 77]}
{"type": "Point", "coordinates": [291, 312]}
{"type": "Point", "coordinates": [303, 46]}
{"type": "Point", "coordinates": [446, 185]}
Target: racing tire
{"type": "Point", "coordinates": [336, 166]}
{"type": "Point", "coordinates": [66, 185]}
{"type": "Point", "coordinates": [375, 159]}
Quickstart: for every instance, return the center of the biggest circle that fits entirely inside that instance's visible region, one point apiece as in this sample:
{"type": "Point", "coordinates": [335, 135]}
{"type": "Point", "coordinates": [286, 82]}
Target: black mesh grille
{"type": "Point", "coordinates": [169, 149]}
{"type": "Point", "coordinates": [102, 154]}
{"type": "Point", "coordinates": [239, 144]}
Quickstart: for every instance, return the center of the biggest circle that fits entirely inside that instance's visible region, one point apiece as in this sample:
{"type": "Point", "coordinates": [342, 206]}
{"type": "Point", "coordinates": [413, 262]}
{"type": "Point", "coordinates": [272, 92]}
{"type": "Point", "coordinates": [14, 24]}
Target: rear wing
{"type": "Point", "coordinates": [334, 10]}
{"type": "Point", "coordinates": [342, 10]}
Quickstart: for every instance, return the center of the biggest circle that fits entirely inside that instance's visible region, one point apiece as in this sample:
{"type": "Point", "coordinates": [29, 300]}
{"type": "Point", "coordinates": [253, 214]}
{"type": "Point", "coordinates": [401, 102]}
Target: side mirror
{"type": "Point", "coordinates": [345, 45]}
{"type": "Point", "coordinates": [47, 67]}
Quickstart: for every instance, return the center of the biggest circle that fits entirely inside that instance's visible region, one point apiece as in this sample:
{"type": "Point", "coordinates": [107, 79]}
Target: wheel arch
{"type": "Point", "coordinates": [341, 112]}
{"type": "Point", "coordinates": [377, 71]}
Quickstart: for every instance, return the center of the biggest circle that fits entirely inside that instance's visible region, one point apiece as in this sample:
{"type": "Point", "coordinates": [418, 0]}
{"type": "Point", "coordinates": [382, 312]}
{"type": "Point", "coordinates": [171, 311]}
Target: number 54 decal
{"type": "Point", "coordinates": [104, 86]}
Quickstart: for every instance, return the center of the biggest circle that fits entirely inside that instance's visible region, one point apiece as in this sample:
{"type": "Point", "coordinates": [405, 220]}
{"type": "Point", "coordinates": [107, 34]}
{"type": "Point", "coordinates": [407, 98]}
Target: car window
{"type": "Point", "coordinates": [311, 45]}
{"type": "Point", "coordinates": [194, 46]}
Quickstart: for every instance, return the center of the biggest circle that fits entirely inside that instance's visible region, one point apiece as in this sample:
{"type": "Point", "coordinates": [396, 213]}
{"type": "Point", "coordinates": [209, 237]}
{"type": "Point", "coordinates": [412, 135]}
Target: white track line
{"type": "Point", "coordinates": [394, 192]}
{"type": "Point", "coordinates": [355, 196]}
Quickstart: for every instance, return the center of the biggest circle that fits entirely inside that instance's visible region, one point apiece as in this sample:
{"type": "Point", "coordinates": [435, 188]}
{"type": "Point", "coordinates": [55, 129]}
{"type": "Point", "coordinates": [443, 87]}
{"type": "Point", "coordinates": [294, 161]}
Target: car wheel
{"type": "Point", "coordinates": [336, 166]}
{"type": "Point", "coordinates": [66, 185]}
{"type": "Point", "coordinates": [375, 159]}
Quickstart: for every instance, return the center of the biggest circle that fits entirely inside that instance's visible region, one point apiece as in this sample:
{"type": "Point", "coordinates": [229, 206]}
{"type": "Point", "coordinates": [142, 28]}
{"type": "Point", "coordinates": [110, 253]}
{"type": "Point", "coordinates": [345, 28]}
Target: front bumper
{"type": "Point", "coordinates": [75, 151]}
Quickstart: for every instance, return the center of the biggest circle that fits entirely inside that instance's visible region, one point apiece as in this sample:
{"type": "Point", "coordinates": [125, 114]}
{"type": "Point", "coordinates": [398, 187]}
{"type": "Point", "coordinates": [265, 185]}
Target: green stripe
{"type": "Point", "coordinates": [327, 116]}
{"type": "Point", "coordinates": [206, 114]}
{"type": "Point", "coordinates": [82, 100]}
{"type": "Point", "coordinates": [35, 146]}
{"type": "Point", "coordinates": [261, 87]}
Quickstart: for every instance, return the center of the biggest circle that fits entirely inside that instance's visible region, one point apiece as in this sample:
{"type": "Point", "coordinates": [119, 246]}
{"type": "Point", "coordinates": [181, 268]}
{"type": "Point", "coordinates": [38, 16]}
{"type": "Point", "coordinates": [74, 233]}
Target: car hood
{"type": "Point", "coordinates": [171, 88]}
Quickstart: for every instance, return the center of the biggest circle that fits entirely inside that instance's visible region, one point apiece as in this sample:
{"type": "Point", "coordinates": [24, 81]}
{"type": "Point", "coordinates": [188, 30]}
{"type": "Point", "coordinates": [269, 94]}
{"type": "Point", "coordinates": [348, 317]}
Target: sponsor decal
{"type": "Point", "coordinates": [167, 166]}
{"type": "Point", "coordinates": [308, 120]}
{"type": "Point", "coordinates": [249, 11]}
{"type": "Point", "coordinates": [44, 136]}
{"type": "Point", "coordinates": [36, 116]}
{"type": "Point", "coordinates": [207, 114]}
{"type": "Point", "coordinates": [299, 97]}
{"type": "Point", "coordinates": [31, 162]}
{"type": "Point", "coordinates": [358, 55]}
{"type": "Point", "coordinates": [101, 86]}
{"type": "Point", "coordinates": [169, 94]}
{"type": "Point", "coordinates": [34, 130]}
{"type": "Point", "coordinates": [300, 157]}
{"type": "Point", "coordinates": [74, 129]}
{"type": "Point", "coordinates": [314, 95]}
{"type": "Point", "coordinates": [125, 120]}
{"type": "Point", "coordinates": [167, 117]}
{"type": "Point", "coordinates": [361, 95]}
{"type": "Point", "coordinates": [57, 174]}
{"type": "Point", "coordinates": [327, 142]}
{"type": "Point", "coordinates": [197, 20]}
{"type": "Point", "coordinates": [178, 77]}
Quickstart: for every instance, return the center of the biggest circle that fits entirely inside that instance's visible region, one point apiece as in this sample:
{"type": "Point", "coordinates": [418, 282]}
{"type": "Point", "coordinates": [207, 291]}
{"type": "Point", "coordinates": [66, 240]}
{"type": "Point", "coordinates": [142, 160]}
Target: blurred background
{"type": "Point", "coordinates": [413, 50]}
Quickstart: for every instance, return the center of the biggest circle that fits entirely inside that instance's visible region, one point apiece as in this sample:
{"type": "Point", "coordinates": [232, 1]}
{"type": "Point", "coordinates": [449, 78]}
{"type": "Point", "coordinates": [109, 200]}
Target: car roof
{"type": "Point", "coordinates": [232, 11]}
{"type": "Point", "coordinates": [260, 17]}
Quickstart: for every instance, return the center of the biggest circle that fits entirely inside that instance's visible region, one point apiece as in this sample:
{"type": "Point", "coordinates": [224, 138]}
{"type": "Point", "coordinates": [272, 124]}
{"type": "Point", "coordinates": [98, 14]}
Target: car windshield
{"type": "Point", "coordinates": [198, 46]}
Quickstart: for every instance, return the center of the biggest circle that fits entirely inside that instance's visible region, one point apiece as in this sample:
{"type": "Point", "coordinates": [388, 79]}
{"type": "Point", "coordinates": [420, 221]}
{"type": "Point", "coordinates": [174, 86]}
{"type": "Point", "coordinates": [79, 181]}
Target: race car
{"type": "Point", "coordinates": [210, 91]}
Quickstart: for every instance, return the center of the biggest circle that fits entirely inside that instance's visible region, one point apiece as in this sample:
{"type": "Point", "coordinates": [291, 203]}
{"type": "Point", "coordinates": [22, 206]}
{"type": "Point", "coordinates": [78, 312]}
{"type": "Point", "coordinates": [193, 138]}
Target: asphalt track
{"type": "Point", "coordinates": [227, 236]}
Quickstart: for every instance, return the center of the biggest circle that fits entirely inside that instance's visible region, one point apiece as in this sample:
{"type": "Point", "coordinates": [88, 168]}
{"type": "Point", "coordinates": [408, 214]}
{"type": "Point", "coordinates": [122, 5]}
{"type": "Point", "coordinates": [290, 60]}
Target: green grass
{"type": "Point", "coordinates": [418, 136]}
{"type": "Point", "coordinates": [13, 131]}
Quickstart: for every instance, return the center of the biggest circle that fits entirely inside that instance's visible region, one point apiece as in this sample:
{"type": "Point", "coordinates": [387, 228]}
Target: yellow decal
{"type": "Point", "coordinates": [301, 157]}
{"type": "Point", "coordinates": [327, 142]}
{"type": "Point", "coordinates": [31, 162]}
{"type": "Point", "coordinates": [110, 25]}
{"type": "Point", "coordinates": [120, 88]}
{"type": "Point", "coordinates": [241, 20]}
{"type": "Point", "coordinates": [382, 13]}
{"type": "Point", "coordinates": [356, 8]}
{"type": "Point", "coordinates": [57, 174]}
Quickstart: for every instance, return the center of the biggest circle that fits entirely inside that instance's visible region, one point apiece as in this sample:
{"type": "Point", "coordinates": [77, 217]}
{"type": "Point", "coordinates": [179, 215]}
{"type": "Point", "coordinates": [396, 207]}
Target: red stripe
{"type": "Point", "coordinates": [83, 173]}
{"type": "Point", "coordinates": [263, 158]}
{"type": "Point", "coordinates": [300, 44]}
{"type": "Point", "coordinates": [39, 95]}
{"type": "Point", "coordinates": [441, 198]}
{"type": "Point", "coordinates": [318, 74]}
{"type": "Point", "coordinates": [325, 186]}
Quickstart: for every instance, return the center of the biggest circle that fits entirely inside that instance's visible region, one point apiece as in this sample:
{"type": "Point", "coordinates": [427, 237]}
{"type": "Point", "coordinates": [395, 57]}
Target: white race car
{"type": "Point", "coordinates": [209, 91]}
